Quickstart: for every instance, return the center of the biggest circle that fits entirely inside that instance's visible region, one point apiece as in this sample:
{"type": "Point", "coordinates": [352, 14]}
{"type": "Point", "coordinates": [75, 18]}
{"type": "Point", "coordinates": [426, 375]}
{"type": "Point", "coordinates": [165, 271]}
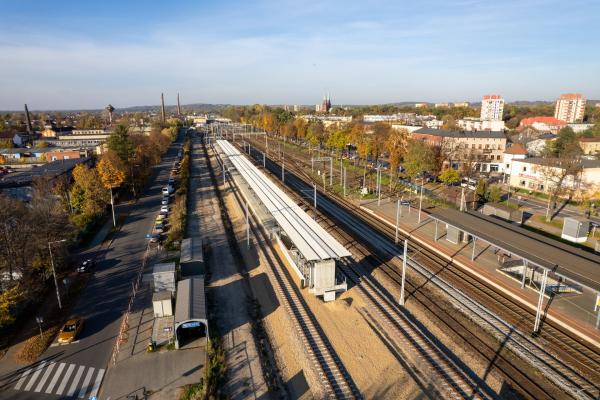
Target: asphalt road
{"type": "Point", "coordinates": [76, 370]}
{"type": "Point", "coordinates": [540, 206]}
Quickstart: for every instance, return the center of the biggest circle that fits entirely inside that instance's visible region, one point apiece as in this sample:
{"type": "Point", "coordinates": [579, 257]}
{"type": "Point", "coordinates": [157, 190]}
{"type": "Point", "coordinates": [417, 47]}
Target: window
{"type": "Point", "coordinates": [523, 183]}
{"type": "Point", "coordinates": [524, 169]}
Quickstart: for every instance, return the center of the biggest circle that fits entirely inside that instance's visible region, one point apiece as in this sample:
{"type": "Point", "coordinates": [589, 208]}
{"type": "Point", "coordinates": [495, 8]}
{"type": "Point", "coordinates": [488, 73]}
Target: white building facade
{"type": "Point", "coordinates": [492, 107]}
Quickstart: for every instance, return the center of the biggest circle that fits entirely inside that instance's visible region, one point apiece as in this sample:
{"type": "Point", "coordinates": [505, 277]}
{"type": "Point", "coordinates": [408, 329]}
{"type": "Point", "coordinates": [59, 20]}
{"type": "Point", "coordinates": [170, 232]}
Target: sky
{"type": "Point", "coordinates": [77, 54]}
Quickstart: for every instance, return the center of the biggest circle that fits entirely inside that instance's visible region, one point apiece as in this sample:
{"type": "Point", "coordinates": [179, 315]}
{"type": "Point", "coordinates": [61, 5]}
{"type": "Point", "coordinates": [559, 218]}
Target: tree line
{"type": "Point", "coordinates": [68, 208]}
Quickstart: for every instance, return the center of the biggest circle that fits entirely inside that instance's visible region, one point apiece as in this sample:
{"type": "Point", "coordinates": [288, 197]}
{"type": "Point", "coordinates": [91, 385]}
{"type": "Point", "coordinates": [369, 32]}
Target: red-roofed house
{"type": "Point", "coordinates": [515, 152]}
{"type": "Point", "coordinates": [543, 124]}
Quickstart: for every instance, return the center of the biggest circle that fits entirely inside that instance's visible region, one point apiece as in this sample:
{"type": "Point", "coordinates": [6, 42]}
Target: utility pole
{"type": "Point", "coordinates": [420, 202]}
{"type": "Point", "coordinates": [112, 206]}
{"type": "Point", "coordinates": [247, 227]}
{"type": "Point", "coordinates": [345, 180]}
{"type": "Point", "coordinates": [54, 270]}
{"type": "Point", "coordinates": [404, 258]}
{"type": "Point", "coordinates": [397, 220]}
{"type": "Point", "coordinates": [315, 196]}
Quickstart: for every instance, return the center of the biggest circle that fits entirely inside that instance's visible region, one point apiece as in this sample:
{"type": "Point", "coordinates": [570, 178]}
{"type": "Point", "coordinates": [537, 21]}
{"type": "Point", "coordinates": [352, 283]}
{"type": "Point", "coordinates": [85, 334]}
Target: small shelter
{"type": "Point", "coordinates": [190, 311]}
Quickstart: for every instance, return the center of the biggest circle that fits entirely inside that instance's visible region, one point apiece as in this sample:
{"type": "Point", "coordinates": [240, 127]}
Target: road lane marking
{"type": "Point", "coordinates": [49, 369]}
{"type": "Point", "coordinates": [65, 379]}
{"type": "Point", "coordinates": [55, 378]}
{"type": "Point", "coordinates": [85, 384]}
{"type": "Point", "coordinates": [76, 379]}
{"type": "Point", "coordinates": [97, 383]}
{"type": "Point", "coordinates": [37, 373]}
{"type": "Point", "coordinates": [22, 379]}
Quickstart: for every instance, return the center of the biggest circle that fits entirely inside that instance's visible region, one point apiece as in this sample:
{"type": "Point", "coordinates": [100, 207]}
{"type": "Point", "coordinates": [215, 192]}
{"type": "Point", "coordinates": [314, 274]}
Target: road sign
{"type": "Point", "coordinates": [193, 324]}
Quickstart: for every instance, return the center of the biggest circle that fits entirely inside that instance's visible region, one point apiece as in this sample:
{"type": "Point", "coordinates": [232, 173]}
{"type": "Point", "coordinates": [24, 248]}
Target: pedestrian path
{"type": "Point", "coordinates": [63, 379]}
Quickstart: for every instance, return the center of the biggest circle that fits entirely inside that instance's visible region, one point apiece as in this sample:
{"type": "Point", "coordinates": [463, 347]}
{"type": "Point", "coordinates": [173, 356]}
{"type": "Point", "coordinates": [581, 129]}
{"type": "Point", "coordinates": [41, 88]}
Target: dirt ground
{"type": "Point", "coordinates": [375, 371]}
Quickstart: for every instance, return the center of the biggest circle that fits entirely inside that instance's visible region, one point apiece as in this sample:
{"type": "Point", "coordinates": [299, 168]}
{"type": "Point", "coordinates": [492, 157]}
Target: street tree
{"type": "Point", "coordinates": [112, 175]}
{"type": "Point", "coordinates": [449, 176]}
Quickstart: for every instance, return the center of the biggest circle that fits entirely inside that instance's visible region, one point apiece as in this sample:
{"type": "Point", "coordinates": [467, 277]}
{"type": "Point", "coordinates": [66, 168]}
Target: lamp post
{"type": "Point", "coordinates": [54, 271]}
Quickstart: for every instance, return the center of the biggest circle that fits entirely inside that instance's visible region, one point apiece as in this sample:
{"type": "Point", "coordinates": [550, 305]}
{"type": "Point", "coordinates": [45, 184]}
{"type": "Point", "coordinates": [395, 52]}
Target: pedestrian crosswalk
{"type": "Point", "coordinates": [77, 381]}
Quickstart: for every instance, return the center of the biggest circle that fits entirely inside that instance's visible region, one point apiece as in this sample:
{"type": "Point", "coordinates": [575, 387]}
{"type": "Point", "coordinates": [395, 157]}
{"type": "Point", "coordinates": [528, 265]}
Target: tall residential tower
{"type": "Point", "coordinates": [492, 107]}
{"type": "Point", "coordinates": [570, 108]}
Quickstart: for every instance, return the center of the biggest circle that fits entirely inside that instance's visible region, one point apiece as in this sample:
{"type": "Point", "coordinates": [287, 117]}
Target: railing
{"type": "Point", "coordinates": [123, 335]}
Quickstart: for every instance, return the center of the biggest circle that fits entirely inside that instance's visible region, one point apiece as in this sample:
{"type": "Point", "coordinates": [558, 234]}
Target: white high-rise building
{"type": "Point", "coordinates": [570, 108]}
{"type": "Point", "coordinates": [492, 107]}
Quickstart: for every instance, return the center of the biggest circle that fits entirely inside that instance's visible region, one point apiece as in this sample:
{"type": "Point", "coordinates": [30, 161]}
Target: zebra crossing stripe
{"type": "Point", "coordinates": [22, 379]}
{"type": "Point", "coordinates": [63, 383]}
{"type": "Point", "coordinates": [49, 369]}
{"type": "Point", "coordinates": [55, 378]}
{"type": "Point", "coordinates": [37, 372]}
{"type": "Point", "coordinates": [86, 381]}
{"type": "Point", "coordinates": [76, 379]}
{"type": "Point", "coordinates": [97, 383]}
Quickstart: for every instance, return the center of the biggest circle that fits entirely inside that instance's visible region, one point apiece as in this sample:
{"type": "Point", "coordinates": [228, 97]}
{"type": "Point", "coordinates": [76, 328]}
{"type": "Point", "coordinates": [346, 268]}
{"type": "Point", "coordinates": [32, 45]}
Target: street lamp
{"type": "Point", "coordinates": [54, 271]}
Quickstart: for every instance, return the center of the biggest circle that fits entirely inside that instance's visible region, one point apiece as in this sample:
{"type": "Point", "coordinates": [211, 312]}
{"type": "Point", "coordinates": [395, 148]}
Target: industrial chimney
{"type": "Point", "coordinates": [28, 119]}
{"type": "Point", "coordinates": [162, 107]}
{"type": "Point", "coordinates": [178, 106]}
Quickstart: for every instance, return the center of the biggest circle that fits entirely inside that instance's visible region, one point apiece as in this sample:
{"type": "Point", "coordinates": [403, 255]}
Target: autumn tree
{"type": "Point", "coordinates": [112, 175]}
{"type": "Point", "coordinates": [449, 176]}
{"type": "Point", "coordinates": [395, 145]}
{"type": "Point", "coordinates": [88, 196]}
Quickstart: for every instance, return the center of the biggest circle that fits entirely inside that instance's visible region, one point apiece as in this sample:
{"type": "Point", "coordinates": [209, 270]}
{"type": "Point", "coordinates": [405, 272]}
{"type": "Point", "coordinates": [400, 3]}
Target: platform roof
{"type": "Point", "coordinates": [191, 303]}
{"type": "Point", "coordinates": [311, 240]}
{"type": "Point", "coordinates": [564, 260]}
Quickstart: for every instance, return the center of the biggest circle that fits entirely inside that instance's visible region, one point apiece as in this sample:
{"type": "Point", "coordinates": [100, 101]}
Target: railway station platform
{"type": "Point", "coordinates": [311, 250]}
{"type": "Point", "coordinates": [509, 259]}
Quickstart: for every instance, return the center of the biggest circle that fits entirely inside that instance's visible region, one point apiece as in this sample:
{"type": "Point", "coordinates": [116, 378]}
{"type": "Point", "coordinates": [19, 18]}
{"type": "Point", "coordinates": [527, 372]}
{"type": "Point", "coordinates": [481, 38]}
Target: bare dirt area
{"type": "Point", "coordinates": [227, 289]}
{"type": "Point", "coordinates": [375, 371]}
{"type": "Point", "coordinates": [294, 366]}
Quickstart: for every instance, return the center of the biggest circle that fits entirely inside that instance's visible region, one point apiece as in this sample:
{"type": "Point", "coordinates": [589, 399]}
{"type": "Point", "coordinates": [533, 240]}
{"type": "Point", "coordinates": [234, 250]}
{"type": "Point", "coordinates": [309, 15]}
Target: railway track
{"type": "Point", "coordinates": [335, 379]}
{"type": "Point", "coordinates": [579, 381]}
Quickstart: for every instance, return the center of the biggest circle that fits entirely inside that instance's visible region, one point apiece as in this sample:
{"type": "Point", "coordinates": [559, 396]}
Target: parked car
{"type": "Point", "coordinates": [165, 191]}
{"type": "Point", "coordinates": [165, 201]}
{"type": "Point", "coordinates": [70, 330]}
{"type": "Point", "coordinates": [159, 228]}
{"type": "Point", "coordinates": [86, 266]}
{"type": "Point", "coordinates": [171, 181]}
{"type": "Point", "coordinates": [155, 238]}
{"type": "Point", "coordinates": [164, 208]}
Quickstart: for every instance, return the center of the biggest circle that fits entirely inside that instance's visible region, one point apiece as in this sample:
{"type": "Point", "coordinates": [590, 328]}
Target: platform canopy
{"type": "Point", "coordinates": [311, 240]}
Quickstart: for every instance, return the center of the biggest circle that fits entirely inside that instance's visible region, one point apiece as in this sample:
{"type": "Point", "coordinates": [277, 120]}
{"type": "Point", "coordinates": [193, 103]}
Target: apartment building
{"type": "Point", "coordinates": [481, 150]}
{"type": "Point", "coordinates": [492, 107]}
{"type": "Point", "coordinates": [570, 107]}
{"type": "Point", "coordinates": [476, 124]}
{"type": "Point", "coordinates": [590, 146]}
{"type": "Point", "coordinates": [537, 174]}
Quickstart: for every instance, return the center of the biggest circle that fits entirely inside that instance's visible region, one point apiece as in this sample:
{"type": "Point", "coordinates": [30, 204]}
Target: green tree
{"type": "Point", "coordinates": [449, 176]}
{"type": "Point", "coordinates": [565, 142]}
{"type": "Point", "coordinates": [482, 190]}
{"type": "Point", "coordinates": [495, 194]}
{"type": "Point", "coordinates": [120, 142]}
{"type": "Point", "coordinates": [419, 158]}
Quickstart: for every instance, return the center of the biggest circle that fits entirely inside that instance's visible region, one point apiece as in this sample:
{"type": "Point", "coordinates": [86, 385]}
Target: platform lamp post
{"type": "Point", "coordinates": [404, 258]}
{"type": "Point", "coordinates": [315, 196]}
{"type": "Point", "coordinates": [420, 201]}
{"type": "Point", "coordinates": [54, 270]}
{"type": "Point", "coordinates": [397, 220]}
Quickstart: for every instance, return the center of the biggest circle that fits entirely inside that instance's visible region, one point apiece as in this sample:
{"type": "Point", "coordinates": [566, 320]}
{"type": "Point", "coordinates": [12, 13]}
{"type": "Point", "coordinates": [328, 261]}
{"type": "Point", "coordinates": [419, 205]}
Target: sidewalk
{"type": "Point", "coordinates": [164, 371]}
